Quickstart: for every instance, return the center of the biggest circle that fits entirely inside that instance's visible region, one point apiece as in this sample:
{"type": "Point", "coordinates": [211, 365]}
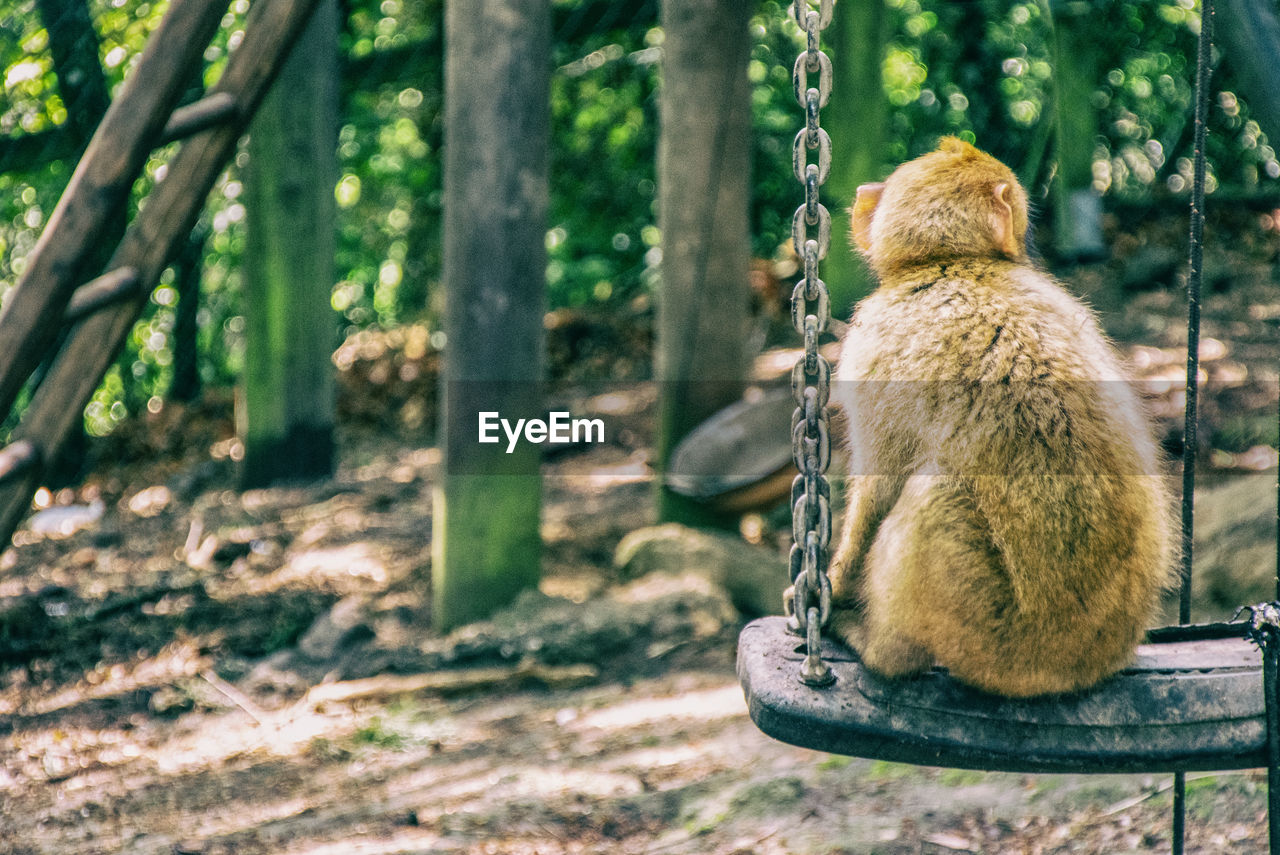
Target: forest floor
{"type": "Point", "coordinates": [185, 668]}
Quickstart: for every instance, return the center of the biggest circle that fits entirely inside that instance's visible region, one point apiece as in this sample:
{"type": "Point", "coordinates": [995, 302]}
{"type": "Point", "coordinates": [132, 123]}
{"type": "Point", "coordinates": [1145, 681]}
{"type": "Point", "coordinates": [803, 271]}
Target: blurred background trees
{"type": "Point", "coordinates": [982, 70]}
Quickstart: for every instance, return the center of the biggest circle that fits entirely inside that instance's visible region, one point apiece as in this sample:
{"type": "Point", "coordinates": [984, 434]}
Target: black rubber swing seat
{"type": "Point", "coordinates": [1193, 700]}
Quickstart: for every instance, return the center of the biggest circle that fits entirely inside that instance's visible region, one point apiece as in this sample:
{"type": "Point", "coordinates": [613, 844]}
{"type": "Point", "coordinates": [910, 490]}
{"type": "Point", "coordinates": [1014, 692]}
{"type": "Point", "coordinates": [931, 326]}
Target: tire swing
{"type": "Point", "coordinates": [1198, 697]}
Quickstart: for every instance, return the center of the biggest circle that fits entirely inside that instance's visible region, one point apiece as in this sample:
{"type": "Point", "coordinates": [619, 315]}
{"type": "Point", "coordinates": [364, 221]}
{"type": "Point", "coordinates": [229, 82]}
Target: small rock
{"type": "Point", "coordinates": [345, 624]}
{"type": "Point", "coordinates": [753, 576]}
{"type": "Point", "coordinates": [151, 501]}
{"type": "Point", "coordinates": [65, 520]}
{"type": "Point", "coordinates": [170, 701]}
{"type": "Point", "coordinates": [83, 557]}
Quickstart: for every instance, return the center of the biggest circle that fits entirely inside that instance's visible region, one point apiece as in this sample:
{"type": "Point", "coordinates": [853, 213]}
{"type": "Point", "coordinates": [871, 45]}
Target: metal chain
{"type": "Point", "coordinates": [810, 606]}
{"type": "Point", "coordinates": [1263, 629]}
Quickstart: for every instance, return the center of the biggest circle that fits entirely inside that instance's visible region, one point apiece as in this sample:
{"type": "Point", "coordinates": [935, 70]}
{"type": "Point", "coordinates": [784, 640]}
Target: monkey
{"type": "Point", "coordinates": [1006, 518]}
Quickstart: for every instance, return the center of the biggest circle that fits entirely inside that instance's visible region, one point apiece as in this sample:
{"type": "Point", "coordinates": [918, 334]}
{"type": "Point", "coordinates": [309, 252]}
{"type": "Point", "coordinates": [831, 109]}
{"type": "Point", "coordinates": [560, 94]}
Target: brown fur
{"type": "Point", "coordinates": [1006, 516]}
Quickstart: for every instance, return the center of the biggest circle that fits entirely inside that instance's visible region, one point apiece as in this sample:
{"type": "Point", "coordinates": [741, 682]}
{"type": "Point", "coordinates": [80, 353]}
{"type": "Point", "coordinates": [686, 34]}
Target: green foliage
{"type": "Point", "coordinates": [961, 777]}
{"type": "Point", "coordinates": [377, 734]}
{"type": "Point", "coordinates": [602, 243]}
{"type": "Point", "coordinates": [834, 762]}
{"type": "Point", "coordinates": [31, 101]}
{"type": "Point", "coordinates": [391, 183]}
{"type": "Point", "coordinates": [981, 70]}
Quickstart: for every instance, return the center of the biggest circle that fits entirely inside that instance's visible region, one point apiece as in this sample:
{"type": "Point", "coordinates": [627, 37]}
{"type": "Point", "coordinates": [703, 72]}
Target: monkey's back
{"type": "Point", "coordinates": [988, 378]}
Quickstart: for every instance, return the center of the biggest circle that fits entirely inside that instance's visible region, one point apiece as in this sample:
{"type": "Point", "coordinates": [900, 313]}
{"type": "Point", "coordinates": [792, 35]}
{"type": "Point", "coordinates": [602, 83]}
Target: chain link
{"type": "Point", "coordinates": [802, 14]}
{"type": "Point", "coordinates": [810, 605]}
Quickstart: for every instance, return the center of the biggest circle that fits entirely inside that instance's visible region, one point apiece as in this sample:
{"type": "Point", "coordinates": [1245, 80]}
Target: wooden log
{"type": "Point", "coordinates": [99, 189]}
{"type": "Point", "coordinates": [486, 543]}
{"type": "Point", "coordinates": [153, 238]}
{"type": "Point", "coordinates": [200, 115]}
{"type": "Point", "coordinates": [111, 287]}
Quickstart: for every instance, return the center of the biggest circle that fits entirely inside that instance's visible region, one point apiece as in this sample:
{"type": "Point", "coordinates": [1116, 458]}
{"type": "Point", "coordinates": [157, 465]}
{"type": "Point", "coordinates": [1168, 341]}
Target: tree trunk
{"type": "Point", "coordinates": [188, 269]}
{"type": "Point", "coordinates": [73, 42]}
{"type": "Point", "coordinates": [704, 192]}
{"type": "Point", "coordinates": [486, 544]}
{"type": "Point", "coordinates": [285, 410]}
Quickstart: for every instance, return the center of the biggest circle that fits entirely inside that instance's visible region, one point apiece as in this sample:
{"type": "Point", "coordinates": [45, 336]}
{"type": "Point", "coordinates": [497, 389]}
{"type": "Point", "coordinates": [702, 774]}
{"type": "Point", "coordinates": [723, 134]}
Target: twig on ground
{"type": "Point", "coordinates": [236, 696]}
{"type": "Point", "coordinates": [389, 685]}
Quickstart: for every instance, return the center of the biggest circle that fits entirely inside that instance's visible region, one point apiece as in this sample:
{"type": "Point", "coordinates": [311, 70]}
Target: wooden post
{"type": "Point", "coordinates": [1077, 207]}
{"type": "Point", "coordinates": [284, 414]}
{"type": "Point", "coordinates": [486, 544]}
{"type": "Point", "coordinates": [704, 160]}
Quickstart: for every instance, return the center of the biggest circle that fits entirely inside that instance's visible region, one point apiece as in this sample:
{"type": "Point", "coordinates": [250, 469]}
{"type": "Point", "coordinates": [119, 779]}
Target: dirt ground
{"type": "Point", "coordinates": [189, 669]}
{"type": "Point", "coordinates": [239, 674]}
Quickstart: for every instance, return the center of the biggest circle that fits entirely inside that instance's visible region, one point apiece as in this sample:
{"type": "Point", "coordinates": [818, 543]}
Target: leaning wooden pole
{"type": "Point", "coordinates": [704, 192]}
{"type": "Point", "coordinates": [153, 238]}
{"type": "Point", "coordinates": [99, 188]}
{"type": "Point", "coordinates": [486, 545]}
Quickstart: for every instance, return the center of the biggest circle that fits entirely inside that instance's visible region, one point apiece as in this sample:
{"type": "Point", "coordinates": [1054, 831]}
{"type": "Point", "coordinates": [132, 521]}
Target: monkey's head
{"type": "Point", "coordinates": [956, 202]}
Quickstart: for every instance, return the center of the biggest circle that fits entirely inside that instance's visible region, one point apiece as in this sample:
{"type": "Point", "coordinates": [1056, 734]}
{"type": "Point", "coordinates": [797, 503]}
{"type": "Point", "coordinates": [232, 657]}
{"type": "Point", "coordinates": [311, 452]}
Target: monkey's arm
{"type": "Point", "coordinates": [868, 501]}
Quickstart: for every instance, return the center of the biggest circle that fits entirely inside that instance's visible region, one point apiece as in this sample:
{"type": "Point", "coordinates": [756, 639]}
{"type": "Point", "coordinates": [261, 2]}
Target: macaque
{"type": "Point", "coordinates": [1006, 516]}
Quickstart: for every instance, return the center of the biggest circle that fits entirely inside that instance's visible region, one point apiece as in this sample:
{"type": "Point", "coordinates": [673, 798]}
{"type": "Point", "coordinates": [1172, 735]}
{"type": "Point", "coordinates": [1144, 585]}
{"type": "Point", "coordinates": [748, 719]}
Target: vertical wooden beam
{"type": "Point", "coordinates": [486, 544]}
{"type": "Point", "coordinates": [1077, 207]}
{"type": "Point", "coordinates": [285, 409]}
{"type": "Point", "coordinates": [704, 166]}
{"type": "Point", "coordinates": [1249, 41]}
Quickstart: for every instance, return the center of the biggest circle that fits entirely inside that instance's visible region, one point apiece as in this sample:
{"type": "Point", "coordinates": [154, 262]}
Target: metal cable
{"type": "Point", "coordinates": [1190, 441]}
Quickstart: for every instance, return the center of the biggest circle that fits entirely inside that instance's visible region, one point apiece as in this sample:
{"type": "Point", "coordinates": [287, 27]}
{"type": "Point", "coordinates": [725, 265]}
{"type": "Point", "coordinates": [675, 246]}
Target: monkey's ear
{"type": "Point", "coordinates": [863, 208]}
{"type": "Point", "coordinates": [1002, 228]}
